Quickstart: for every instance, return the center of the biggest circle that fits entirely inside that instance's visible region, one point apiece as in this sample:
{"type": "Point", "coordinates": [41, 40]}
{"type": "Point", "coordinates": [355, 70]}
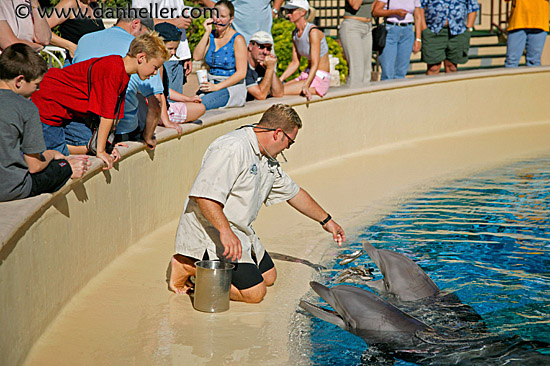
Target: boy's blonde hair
{"type": "Point", "coordinates": [151, 44]}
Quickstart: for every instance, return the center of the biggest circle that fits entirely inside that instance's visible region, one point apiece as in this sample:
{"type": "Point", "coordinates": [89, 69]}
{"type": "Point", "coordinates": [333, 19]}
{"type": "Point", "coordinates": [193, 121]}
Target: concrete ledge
{"type": "Point", "coordinates": [52, 245]}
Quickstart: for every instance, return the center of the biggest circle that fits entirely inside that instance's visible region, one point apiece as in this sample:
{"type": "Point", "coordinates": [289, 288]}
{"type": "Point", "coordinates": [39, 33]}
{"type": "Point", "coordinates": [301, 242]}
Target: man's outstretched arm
{"type": "Point", "coordinates": [306, 205]}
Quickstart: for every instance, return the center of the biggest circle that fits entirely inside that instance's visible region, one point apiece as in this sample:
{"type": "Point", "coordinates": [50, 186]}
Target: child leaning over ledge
{"type": "Point", "coordinates": [26, 167]}
{"type": "Point", "coordinates": [95, 87]}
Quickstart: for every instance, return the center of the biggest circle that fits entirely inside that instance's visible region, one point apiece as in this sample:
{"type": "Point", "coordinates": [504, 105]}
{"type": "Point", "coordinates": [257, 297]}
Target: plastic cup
{"type": "Point", "coordinates": [202, 76]}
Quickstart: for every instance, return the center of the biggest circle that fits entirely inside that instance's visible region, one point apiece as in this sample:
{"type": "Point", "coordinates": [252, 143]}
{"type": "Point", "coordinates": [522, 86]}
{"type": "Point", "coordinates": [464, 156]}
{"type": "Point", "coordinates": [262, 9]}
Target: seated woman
{"type": "Point", "coordinates": [309, 42]}
{"type": "Point", "coordinates": [32, 30]}
{"type": "Point", "coordinates": [77, 20]}
{"type": "Point", "coordinates": [179, 108]}
{"type": "Point", "coordinates": [225, 53]}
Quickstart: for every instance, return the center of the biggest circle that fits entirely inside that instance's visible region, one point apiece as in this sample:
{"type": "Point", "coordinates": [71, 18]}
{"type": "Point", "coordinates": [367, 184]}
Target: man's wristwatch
{"type": "Point", "coordinates": [275, 11]}
{"type": "Point", "coordinates": [470, 29]}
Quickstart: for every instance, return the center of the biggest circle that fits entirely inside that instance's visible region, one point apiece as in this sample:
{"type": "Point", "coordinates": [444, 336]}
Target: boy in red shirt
{"type": "Point", "coordinates": [95, 87]}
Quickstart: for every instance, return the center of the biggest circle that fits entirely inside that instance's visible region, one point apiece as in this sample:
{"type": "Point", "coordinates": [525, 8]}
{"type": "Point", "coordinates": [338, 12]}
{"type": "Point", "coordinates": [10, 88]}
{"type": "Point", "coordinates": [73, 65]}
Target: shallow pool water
{"type": "Point", "coordinates": [486, 238]}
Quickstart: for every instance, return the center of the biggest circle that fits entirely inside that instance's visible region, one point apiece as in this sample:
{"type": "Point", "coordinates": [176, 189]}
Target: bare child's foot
{"type": "Point", "coordinates": [182, 268]}
{"type": "Point", "coordinates": [79, 164]}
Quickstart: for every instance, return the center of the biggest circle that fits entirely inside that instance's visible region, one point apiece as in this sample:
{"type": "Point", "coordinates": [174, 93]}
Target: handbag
{"type": "Point", "coordinates": [92, 121]}
{"type": "Point", "coordinates": [379, 34]}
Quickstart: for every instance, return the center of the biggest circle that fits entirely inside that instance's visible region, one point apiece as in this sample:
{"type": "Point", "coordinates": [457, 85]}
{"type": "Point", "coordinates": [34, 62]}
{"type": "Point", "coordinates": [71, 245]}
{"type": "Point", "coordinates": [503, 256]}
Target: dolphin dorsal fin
{"type": "Point", "coordinates": [377, 285]}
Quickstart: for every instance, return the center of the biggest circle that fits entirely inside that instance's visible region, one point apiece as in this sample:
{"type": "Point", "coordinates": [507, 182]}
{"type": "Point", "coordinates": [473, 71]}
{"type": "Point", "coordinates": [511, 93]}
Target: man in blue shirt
{"type": "Point", "coordinates": [116, 41]}
{"type": "Point", "coordinates": [447, 26]}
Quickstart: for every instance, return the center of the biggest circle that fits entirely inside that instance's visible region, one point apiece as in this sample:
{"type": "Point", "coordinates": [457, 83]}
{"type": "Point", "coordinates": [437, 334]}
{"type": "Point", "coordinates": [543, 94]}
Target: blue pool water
{"type": "Point", "coordinates": [486, 238]}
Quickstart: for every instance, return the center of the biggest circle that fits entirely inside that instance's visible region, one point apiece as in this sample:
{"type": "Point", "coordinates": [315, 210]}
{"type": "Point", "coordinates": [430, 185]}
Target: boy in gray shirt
{"type": "Point", "coordinates": [26, 167]}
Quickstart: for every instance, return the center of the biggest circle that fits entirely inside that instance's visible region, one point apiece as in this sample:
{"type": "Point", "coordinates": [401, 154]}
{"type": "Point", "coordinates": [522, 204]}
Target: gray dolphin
{"type": "Point", "coordinates": [366, 315]}
{"type": "Point", "coordinates": [396, 334]}
{"type": "Point", "coordinates": [403, 278]}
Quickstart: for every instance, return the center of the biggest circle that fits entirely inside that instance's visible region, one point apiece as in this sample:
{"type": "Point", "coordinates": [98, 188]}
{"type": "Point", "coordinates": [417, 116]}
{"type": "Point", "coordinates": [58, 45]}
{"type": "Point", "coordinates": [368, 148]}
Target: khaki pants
{"type": "Point", "coordinates": [356, 38]}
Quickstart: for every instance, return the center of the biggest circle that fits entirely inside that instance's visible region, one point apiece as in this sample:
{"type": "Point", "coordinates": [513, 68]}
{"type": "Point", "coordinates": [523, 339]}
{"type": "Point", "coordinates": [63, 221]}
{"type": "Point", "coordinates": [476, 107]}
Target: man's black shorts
{"type": "Point", "coordinates": [247, 275]}
{"type": "Point", "coordinates": [52, 178]}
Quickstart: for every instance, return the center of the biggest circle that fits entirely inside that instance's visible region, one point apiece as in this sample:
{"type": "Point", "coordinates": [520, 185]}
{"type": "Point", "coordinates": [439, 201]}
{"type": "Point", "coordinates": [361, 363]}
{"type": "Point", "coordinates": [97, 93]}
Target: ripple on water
{"type": "Point", "coordinates": [486, 238]}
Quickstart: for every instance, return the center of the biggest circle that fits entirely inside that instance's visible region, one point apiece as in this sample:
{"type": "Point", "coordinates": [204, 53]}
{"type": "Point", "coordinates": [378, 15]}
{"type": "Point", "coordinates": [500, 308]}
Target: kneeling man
{"type": "Point", "coordinates": [239, 172]}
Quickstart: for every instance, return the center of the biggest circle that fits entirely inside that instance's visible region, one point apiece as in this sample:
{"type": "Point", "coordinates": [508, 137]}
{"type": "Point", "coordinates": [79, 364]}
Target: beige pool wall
{"type": "Point", "coordinates": [53, 245]}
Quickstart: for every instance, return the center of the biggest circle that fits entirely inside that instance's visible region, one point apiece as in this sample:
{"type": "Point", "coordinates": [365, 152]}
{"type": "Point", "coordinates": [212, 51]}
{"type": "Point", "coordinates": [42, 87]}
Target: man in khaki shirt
{"type": "Point", "coordinates": [239, 173]}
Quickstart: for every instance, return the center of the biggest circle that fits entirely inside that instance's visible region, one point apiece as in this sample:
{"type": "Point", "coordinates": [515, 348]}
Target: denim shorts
{"type": "Point", "coordinates": [77, 134]}
{"type": "Point", "coordinates": [54, 137]}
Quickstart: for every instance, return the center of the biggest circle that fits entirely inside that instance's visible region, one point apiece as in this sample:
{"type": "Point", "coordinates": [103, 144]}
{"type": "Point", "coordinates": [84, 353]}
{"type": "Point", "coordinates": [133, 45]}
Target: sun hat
{"type": "Point", "coordinates": [294, 4]}
{"type": "Point", "coordinates": [262, 37]}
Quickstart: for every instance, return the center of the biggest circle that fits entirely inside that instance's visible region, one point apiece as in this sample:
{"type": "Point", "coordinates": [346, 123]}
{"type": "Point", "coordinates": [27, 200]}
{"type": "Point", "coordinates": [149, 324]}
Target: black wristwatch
{"type": "Point", "coordinates": [325, 220]}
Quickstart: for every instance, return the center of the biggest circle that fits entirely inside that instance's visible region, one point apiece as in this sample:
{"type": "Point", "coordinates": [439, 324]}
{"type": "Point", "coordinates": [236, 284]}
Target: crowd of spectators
{"type": "Point", "coordinates": [119, 84]}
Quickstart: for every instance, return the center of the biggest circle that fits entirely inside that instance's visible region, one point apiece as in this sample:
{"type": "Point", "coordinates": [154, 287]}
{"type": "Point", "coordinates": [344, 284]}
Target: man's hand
{"type": "Point", "coordinates": [181, 22]}
{"type": "Point", "coordinates": [269, 62]}
{"type": "Point", "coordinates": [400, 13]}
{"type": "Point", "coordinates": [336, 230]}
{"type": "Point", "coordinates": [232, 244]}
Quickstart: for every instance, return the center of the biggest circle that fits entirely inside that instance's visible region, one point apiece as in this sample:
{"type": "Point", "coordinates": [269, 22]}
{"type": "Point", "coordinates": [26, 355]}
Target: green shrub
{"type": "Point", "coordinates": [195, 32]}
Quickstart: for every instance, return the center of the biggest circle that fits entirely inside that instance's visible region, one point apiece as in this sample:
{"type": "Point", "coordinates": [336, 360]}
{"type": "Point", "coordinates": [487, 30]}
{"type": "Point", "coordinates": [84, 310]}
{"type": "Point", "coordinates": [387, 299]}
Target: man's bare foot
{"type": "Point", "coordinates": [79, 164]}
{"type": "Point", "coordinates": [182, 268]}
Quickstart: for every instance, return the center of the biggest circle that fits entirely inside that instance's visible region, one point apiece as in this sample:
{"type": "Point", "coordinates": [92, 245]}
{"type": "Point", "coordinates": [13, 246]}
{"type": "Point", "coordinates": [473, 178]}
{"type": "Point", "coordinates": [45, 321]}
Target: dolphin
{"type": "Point", "coordinates": [403, 279]}
{"type": "Point", "coordinates": [397, 334]}
{"type": "Point", "coordinates": [366, 315]}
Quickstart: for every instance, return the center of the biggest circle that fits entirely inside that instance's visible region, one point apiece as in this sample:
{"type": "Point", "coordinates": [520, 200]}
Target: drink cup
{"type": "Point", "coordinates": [202, 76]}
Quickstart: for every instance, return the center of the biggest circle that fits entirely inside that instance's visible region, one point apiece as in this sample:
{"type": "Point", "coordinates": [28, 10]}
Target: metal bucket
{"type": "Point", "coordinates": [212, 285]}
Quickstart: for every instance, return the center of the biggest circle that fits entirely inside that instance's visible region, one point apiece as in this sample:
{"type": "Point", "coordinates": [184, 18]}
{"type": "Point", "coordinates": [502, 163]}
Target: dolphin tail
{"type": "Point", "coordinates": [324, 314]}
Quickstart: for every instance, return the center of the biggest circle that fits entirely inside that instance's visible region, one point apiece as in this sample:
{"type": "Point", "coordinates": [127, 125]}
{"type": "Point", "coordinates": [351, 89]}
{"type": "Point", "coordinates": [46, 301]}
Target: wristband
{"type": "Point", "coordinates": [325, 220]}
{"type": "Point", "coordinates": [419, 40]}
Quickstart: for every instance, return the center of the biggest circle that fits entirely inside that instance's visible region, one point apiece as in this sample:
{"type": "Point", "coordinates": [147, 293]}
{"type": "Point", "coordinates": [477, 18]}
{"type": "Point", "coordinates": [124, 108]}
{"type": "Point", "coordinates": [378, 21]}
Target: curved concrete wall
{"type": "Point", "coordinates": [52, 245]}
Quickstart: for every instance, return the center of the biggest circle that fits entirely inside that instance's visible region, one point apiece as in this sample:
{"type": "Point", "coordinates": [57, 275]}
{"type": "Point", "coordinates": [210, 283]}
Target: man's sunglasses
{"type": "Point", "coordinates": [290, 140]}
{"type": "Point", "coordinates": [263, 46]}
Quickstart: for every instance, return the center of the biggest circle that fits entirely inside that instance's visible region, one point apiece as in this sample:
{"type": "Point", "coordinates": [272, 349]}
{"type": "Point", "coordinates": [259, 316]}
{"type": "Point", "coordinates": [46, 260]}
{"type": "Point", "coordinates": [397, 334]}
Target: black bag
{"type": "Point", "coordinates": [379, 34]}
{"type": "Point", "coordinates": [92, 121]}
